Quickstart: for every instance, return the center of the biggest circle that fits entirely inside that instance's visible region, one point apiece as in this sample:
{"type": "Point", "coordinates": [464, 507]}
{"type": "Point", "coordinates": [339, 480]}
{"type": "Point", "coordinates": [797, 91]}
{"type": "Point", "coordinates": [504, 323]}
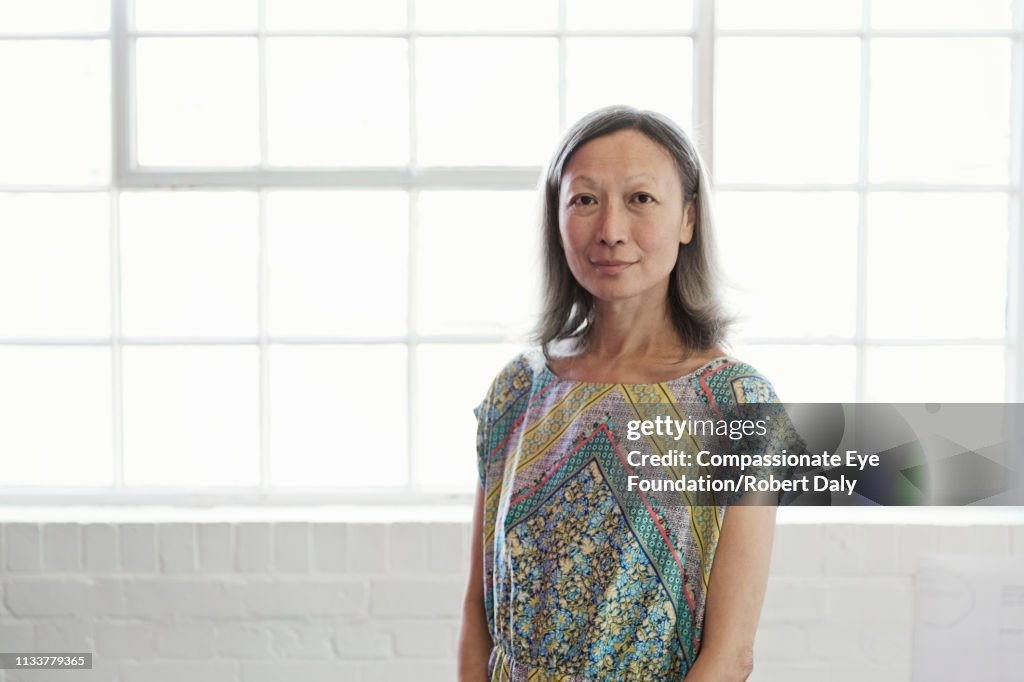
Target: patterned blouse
{"type": "Point", "coordinates": [585, 580]}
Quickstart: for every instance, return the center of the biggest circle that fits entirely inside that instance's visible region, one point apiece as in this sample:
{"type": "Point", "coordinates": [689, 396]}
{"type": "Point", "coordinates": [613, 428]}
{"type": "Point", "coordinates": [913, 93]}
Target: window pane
{"type": "Point", "coordinates": [331, 15]}
{"type": "Point", "coordinates": [634, 71]}
{"type": "Point", "coordinates": [56, 424]}
{"type": "Point", "coordinates": [198, 101]}
{"type": "Point", "coordinates": [813, 239]}
{"type": "Point", "coordinates": [805, 374]}
{"type": "Point", "coordinates": [788, 14]}
{"type": "Point", "coordinates": [918, 374]}
{"type": "Point", "coordinates": [478, 262]}
{"type": "Point", "coordinates": [486, 101]}
{"type": "Point", "coordinates": [189, 263]}
{"type": "Point", "coordinates": [786, 109]}
{"type": "Point", "coordinates": [326, 108]}
{"type": "Point", "coordinates": [641, 14]}
{"type": "Point", "coordinates": [338, 416]}
{"type": "Point", "coordinates": [940, 110]}
{"type": "Point", "coordinates": [931, 14]}
{"type": "Point", "coordinates": [55, 117]}
{"type": "Point", "coordinates": [451, 381]}
{"type": "Point", "coordinates": [54, 16]}
{"type": "Point", "coordinates": [191, 416]}
{"type": "Point", "coordinates": [469, 15]}
{"type": "Point", "coordinates": [196, 15]}
{"type": "Point", "coordinates": [55, 265]}
{"type": "Point", "coordinates": [937, 265]}
{"type": "Point", "coordinates": [338, 262]}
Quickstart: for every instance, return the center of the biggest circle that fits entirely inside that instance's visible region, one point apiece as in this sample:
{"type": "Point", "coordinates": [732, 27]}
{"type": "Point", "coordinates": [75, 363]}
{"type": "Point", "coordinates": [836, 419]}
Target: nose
{"type": "Point", "coordinates": [614, 226]}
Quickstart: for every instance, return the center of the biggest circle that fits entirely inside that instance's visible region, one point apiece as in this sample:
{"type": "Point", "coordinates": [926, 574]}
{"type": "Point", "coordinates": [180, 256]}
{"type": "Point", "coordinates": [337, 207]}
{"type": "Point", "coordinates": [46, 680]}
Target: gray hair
{"type": "Point", "coordinates": [694, 302]}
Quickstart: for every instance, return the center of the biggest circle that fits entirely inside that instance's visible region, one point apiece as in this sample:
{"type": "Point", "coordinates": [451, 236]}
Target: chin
{"type": "Point", "coordinates": [606, 291]}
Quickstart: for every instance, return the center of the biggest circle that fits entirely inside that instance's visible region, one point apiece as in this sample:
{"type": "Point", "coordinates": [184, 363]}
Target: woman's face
{"type": "Point", "coordinates": [621, 217]}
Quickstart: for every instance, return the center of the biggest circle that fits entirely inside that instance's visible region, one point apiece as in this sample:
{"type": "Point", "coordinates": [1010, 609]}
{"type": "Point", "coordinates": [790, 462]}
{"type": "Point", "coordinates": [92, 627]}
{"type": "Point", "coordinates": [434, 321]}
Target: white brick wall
{"type": "Point", "coordinates": [373, 602]}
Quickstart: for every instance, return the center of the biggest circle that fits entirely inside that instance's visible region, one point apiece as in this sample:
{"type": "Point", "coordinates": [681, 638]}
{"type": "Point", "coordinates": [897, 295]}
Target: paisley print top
{"type": "Point", "coordinates": [585, 580]}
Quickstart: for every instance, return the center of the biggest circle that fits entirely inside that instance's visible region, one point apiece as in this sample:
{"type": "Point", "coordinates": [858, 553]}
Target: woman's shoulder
{"type": "Point", "coordinates": [521, 370]}
{"type": "Point", "coordinates": [731, 380]}
{"type": "Point", "coordinates": [515, 378]}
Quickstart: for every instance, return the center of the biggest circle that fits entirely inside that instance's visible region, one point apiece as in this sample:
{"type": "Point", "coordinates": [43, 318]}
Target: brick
{"type": "Point", "coordinates": [216, 547]}
{"type": "Point", "coordinates": [329, 547]}
{"type": "Point", "coordinates": [167, 597]}
{"type": "Point", "coordinates": [291, 547]}
{"type": "Point", "coordinates": [253, 547]}
{"type": "Point", "coordinates": [177, 548]}
{"type": "Point", "coordinates": [15, 636]}
{"type": "Point", "coordinates": [793, 600]}
{"type": "Point", "coordinates": [835, 642]}
{"type": "Point", "coordinates": [302, 641]}
{"type": "Point", "coordinates": [64, 597]}
{"type": "Point", "coordinates": [402, 671]}
{"type": "Point", "coordinates": [448, 552]}
{"type": "Point", "coordinates": [368, 548]}
{"type": "Point", "coordinates": [22, 547]}
{"type": "Point", "coordinates": [99, 547]}
{"type": "Point", "coordinates": [62, 547]}
{"type": "Point", "coordinates": [888, 644]}
{"type": "Point", "coordinates": [410, 546]}
{"type": "Point", "coordinates": [422, 638]}
{"type": "Point", "coordinates": [955, 540]}
{"type": "Point", "coordinates": [1018, 540]}
{"type": "Point", "coordinates": [242, 640]}
{"type": "Point", "coordinates": [871, 600]}
{"type": "Point", "coordinates": [879, 549]}
{"type": "Point", "coordinates": [138, 547]}
{"type": "Point", "coordinates": [915, 542]}
{"type": "Point", "coordinates": [797, 550]}
{"type": "Point", "coordinates": [289, 671]}
{"type": "Point", "coordinates": [185, 639]}
{"type": "Point", "coordinates": [205, 671]}
{"type": "Point", "coordinates": [774, 671]}
{"type": "Point", "coordinates": [987, 540]}
{"type": "Point", "coordinates": [306, 597]}
{"type": "Point", "coordinates": [423, 598]}
{"type": "Point", "coordinates": [843, 551]}
{"type": "Point", "coordinates": [991, 539]}
{"type": "Point", "coordinates": [361, 639]}
{"type": "Point", "coordinates": [69, 636]}
{"type": "Point", "coordinates": [780, 643]}
{"type": "Point", "coordinates": [125, 640]}
{"type": "Point", "coordinates": [875, 673]}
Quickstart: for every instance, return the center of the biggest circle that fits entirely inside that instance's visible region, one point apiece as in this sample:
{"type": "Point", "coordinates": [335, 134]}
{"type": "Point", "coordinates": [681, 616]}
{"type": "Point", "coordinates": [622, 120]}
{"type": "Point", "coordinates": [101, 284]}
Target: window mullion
{"type": "Point", "coordinates": [704, 86]}
{"type": "Point", "coordinates": [860, 347]}
{"type": "Point", "coordinates": [1015, 280]}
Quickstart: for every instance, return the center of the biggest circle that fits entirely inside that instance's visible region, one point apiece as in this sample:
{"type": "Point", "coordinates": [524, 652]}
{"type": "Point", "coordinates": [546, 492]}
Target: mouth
{"type": "Point", "coordinates": [611, 267]}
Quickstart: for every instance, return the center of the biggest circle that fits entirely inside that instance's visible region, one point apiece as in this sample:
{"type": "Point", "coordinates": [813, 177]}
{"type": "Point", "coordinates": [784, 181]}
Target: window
{"type": "Point", "coordinates": [275, 249]}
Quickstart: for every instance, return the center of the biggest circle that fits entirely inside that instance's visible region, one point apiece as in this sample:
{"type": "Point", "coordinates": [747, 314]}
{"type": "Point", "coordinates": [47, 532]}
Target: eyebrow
{"type": "Point", "coordinates": [586, 179]}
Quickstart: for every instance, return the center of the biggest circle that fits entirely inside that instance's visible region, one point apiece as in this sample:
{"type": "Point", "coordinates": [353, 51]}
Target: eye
{"type": "Point", "coordinates": [579, 199]}
{"type": "Point", "coordinates": [645, 195]}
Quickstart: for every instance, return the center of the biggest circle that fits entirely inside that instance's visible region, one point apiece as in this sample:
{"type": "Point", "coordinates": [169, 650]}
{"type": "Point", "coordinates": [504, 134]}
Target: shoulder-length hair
{"type": "Point", "coordinates": [694, 302]}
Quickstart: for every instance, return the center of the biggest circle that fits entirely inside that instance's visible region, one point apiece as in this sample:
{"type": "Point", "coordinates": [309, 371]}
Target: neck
{"type": "Point", "coordinates": [624, 330]}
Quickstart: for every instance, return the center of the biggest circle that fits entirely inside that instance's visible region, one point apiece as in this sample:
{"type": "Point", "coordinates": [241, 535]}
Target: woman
{"type": "Point", "coordinates": [574, 577]}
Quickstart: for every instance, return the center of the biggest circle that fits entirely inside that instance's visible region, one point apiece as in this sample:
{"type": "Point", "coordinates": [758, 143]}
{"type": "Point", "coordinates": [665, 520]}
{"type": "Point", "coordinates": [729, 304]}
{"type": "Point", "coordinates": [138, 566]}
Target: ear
{"type": "Point", "coordinates": [689, 221]}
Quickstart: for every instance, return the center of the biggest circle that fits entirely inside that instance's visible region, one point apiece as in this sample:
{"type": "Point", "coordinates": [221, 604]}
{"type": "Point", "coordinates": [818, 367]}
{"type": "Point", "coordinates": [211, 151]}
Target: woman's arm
{"type": "Point", "coordinates": [474, 638]}
{"type": "Point", "coordinates": [739, 578]}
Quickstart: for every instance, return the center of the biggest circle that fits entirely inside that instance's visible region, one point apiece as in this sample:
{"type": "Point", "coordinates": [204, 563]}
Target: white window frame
{"type": "Point", "coordinates": [128, 176]}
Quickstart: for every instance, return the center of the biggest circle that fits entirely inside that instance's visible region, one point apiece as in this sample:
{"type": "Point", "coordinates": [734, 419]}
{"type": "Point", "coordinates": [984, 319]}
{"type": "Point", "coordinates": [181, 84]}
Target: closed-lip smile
{"type": "Point", "coordinates": [611, 266]}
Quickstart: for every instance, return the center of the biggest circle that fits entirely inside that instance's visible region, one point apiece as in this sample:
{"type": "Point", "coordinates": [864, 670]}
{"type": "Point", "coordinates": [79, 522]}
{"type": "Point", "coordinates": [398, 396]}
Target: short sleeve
{"type": "Point", "coordinates": [497, 412]}
{"type": "Point", "coordinates": [482, 438]}
{"type": "Point", "coordinates": [774, 436]}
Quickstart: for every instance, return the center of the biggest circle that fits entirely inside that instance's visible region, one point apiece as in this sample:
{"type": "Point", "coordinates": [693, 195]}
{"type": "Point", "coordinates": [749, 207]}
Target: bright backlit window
{"type": "Point", "coordinates": [259, 250]}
